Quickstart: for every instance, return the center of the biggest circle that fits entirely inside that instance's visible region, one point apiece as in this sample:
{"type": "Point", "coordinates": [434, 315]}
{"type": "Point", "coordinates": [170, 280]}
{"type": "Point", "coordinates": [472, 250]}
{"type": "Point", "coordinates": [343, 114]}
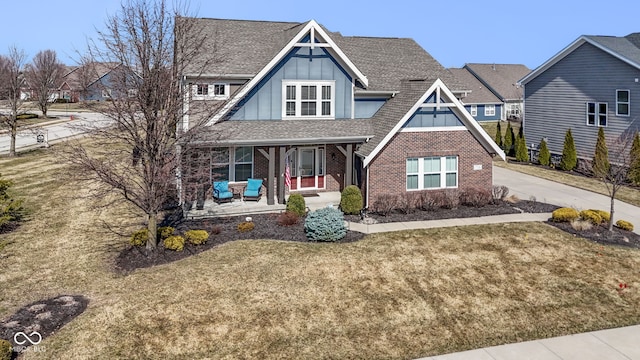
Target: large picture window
{"type": "Point", "coordinates": [623, 102]}
{"type": "Point", "coordinates": [597, 114]}
{"type": "Point", "coordinates": [308, 99]}
{"type": "Point", "coordinates": [434, 172]}
{"type": "Point", "coordinates": [232, 164]}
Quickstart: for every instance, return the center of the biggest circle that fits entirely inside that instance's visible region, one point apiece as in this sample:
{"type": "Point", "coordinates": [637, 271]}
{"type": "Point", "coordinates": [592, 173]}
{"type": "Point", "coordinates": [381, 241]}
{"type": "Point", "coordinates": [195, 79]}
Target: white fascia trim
{"type": "Point", "coordinates": [470, 123]}
{"type": "Point", "coordinates": [285, 50]}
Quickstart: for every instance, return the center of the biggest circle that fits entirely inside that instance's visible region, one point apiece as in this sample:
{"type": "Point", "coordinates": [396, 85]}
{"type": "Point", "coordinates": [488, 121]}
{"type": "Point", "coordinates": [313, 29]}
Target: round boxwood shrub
{"type": "Point", "coordinates": [604, 215]}
{"type": "Point", "coordinates": [296, 204]}
{"type": "Point", "coordinates": [326, 224]}
{"type": "Point", "coordinates": [165, 231]}
{"type": "Point", "coordinates": [591, 216]}
{"type": "Point", "coordinates": [6, 351]}
{"type": "Point", "coordinates": [139, 237]}
{"type": "Point", "coordinates": [351, 200]}
{"type": "Point", "coordinates": [246, 226]}
{"type": "Point", "coordinates": [175, 242]}
{"type": "Point", "coordinates": [565, 215]}
{"type": "Point", "coordinates": [624, 225]}
{"type": "Point", "coordinates": [197, 237]}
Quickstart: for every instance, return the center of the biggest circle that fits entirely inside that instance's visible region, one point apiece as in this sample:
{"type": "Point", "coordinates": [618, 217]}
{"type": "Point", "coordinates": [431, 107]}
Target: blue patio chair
{"type": "Point", "coordinates": [221, 192]}
{"type": "Point", "coordinates": [252, 190]}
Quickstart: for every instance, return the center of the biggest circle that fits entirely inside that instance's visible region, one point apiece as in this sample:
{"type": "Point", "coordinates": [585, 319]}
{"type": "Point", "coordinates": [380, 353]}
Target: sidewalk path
{"type": "Point", "coordinates": [527, 187]}
{"type": "Point", "coordinates": [611, 344]}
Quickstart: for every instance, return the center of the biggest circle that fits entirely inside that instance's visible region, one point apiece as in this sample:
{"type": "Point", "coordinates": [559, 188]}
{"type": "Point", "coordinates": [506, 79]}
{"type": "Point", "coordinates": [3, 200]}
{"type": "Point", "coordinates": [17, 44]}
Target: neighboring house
{"type": "Point", "coordinates": [594, 82]}
{"type": "Point", "coordinates": [477, 98]}
{"type": "Point", "coordinates": [91, 82]}
{"type": "Point", "coordinates": [502, 81]}
{"type": "Point", "coordinates": [335, 110]}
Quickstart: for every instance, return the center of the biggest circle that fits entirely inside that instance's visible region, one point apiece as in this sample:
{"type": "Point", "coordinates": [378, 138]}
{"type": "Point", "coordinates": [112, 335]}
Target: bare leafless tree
{"type": "Point", "coordinates": [136, 154]}
{"type": "Point", "coordinates": [43, 76]}
{"type": "Point", "coordinates": [11, 85]}
{"type": "Point", "coordinates": [616, 174]}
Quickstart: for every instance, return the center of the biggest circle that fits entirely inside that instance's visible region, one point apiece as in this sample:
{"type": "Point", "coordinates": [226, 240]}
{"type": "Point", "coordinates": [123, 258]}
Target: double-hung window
{"type": "Point", "coordinates": [489, 110]}
{"type": "Point", "coordinates": [622, 102]}
{"type": "Point", "coordinates": [434, 172]}
{"type": "Point", "coordinates": [232, 164]}
{"type": "Point", "coordinates": [211, 91]}
{"type": "Point", "coordinates": [597, 114]}
{"type": "Point", "coordinates": [474, 110]}
{"type": "Point", "coordinates": [308, 99]}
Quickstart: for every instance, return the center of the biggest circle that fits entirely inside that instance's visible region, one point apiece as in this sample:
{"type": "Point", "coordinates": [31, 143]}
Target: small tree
{"type": "Point", "coordinates": [44, 75]}
{"type": "Point", "coordinates": [522, 153]}
{"type": "Point", "coordinates": [509, 140]}
{"type": "Point", "coordinates": [11, 84]}
{"type": "Point", "coordinates": [498, 137]}
{"type": "Point", "coordinates": [600, 162]}
{"type": "Point", "coordinates": [634, 158]}
{"type": "Point", "coordinates": [544, 157]}
{"type": "Point", "coordinates": [569, 154]}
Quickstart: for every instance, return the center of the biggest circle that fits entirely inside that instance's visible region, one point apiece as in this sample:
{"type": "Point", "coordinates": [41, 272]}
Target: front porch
{"type": "Point", "coordinates": [240, 207]}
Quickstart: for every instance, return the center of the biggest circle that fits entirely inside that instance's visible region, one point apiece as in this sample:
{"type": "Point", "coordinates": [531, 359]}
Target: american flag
{"type": "Point", "coordinates": [287, 174]}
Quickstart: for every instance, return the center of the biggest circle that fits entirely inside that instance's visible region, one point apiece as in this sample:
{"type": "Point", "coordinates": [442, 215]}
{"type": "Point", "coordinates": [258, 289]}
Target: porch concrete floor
{"type": "Point", "coordinates": [240, 207]}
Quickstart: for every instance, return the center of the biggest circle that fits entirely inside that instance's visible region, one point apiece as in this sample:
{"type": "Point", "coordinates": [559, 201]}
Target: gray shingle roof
{"type": "Point", "coordinates": [627, 47]}
{"type": "Point", "coordinates": [501, 78]}
{"type": "Point", "coordinates": [479, 94]}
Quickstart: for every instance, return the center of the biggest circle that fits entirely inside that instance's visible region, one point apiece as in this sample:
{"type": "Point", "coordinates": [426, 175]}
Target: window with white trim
{"type": "Point", "coordinates": [474, 110]}
{"type": "Point", "coordinates": [211, 91]}
{"type": "Point", "coordinates": [597, 114]}
{"type": "Point", "coordinates": [232, 164]}
{"type": "Point", "coordinates": [489, 110]}
{"type": "Point", "coordinates": [308, 99]}
{"type": "Point", "coordinates": [434, 172]}
{"type": "Point", "coordinates": [202, 89]}
{"type": "Point", "coordinates": [623, 102]}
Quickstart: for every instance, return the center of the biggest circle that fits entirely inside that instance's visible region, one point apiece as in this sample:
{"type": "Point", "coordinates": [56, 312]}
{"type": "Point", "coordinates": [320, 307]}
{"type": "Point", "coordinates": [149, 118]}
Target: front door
{"type": "Point", "coordinates": [307, 168]}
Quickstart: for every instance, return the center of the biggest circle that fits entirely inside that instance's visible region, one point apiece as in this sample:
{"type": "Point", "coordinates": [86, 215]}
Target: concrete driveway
{"type": "Point", "coordinates": [527, 187]}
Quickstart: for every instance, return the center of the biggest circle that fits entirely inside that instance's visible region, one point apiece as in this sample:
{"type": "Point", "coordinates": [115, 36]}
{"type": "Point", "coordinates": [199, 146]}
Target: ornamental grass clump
{"type": "Point", "coordinates": [139, 237]}
{"type": "Point", "coordinates": [326, 224]}
{"type": "Point", "coordinates": [565, 215]}
{"type": "Point", "coordinates": [196, 237]}
{"type": "Point", "coordinates": [175, 243]}
{"type": "Point", "coordinates": [351, 200]}
{"type": "Point", "coordinates": [624, 225]}
{"type": "Point", "coordinates": [296, 204]}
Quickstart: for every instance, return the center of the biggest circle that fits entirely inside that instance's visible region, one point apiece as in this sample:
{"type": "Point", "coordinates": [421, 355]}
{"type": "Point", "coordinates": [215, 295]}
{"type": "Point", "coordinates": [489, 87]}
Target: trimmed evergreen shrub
{"type": "Point", "coordinates": [196, 237]}
{"type": "Point", "coordinates": [139, 237]}
{"type": "Point", "coordinates": [564, 215]}
{"type": "Point", "coordinates": [624, 225]}
{"type": "Point", "coordinates": [296, 204]}
{"type": "Point", "coordinates": [288, 218]}
{"type": "Point", "coordinates": [164, 232]}
{"type": "Point", "coordinates": [634, 163]}
{"type": "Point", "coordinates": [326, 224]}
{"type": "Point", "coordinates": [522, 153]}
{"type": "Point", "coordinates": [600, 162]}
{"type": "Point", "coordinates": [591, 216]}
{"type": "Point", "coordinates": [544, 157]}
{"type": "Point", "coordinates": [498, 137]}
{"type": "Point", "coordinates": [569, 154]}
{"type": "Point", "coordinates": [6, 350]}
{"type": "Point", "coordinates": [175, 243]}
{"type": "Point", "coordinates": [246, 226]}
{"type": "Point", "coordinates": [351, 200]}
{"type": "Point", "coordinates": [509, 140]}
{"type": "Point", "coordinates": [604, 215]}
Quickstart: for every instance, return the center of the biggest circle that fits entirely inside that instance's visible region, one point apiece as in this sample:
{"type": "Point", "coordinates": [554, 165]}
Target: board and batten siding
{"type": "Point", "coordinates": [264, 102]}
{"type": "Point", "coordinates": [556, 99]}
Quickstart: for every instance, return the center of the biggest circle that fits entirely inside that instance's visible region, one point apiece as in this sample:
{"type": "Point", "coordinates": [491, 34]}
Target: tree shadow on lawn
{"type": "Point", "coordinates": [223, 230]}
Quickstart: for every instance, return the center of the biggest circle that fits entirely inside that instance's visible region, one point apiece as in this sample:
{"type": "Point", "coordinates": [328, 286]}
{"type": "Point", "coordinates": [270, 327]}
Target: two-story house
{"type": "Point", "coordinates": [477, 98]}
{"type": "Point", "coordinates": [335, 110]}
{"type": "Point", "coordinates": [591, 83]}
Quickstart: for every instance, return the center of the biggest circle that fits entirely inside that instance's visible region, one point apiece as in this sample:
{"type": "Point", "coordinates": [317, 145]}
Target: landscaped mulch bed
{"type": "Point", "coordinates": [43, 317]}
{"type": "Point", "coordinates": [601, 234]}
{"type": "Point", "coordinates": [267, 228]}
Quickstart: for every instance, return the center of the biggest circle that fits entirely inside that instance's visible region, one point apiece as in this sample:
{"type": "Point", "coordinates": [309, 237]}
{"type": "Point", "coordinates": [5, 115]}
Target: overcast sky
{"type": "Point", "coordinates": [453, 32]}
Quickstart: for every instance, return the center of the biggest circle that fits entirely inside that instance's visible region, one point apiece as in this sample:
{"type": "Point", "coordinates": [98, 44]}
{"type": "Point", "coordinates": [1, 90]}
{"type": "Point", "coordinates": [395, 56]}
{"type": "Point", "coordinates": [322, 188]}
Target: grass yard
{"type": "Point", "coordinates": [390, 296]}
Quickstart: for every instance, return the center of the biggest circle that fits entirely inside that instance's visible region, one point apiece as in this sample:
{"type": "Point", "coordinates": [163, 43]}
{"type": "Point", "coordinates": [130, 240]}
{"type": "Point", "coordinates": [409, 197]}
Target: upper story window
{"type": "Point", "coordinates": [597, 114]}
{"type": "Point", "coordinates": [208, 91]}
{"type": "Point", "coordinates": [474, 110]}
{"type": "Point", "coordinates": [622, 102]}
{"type": "Point", "coordinates": [489, 110]}
{"type": "Point", "coordinates": [308, 99]}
